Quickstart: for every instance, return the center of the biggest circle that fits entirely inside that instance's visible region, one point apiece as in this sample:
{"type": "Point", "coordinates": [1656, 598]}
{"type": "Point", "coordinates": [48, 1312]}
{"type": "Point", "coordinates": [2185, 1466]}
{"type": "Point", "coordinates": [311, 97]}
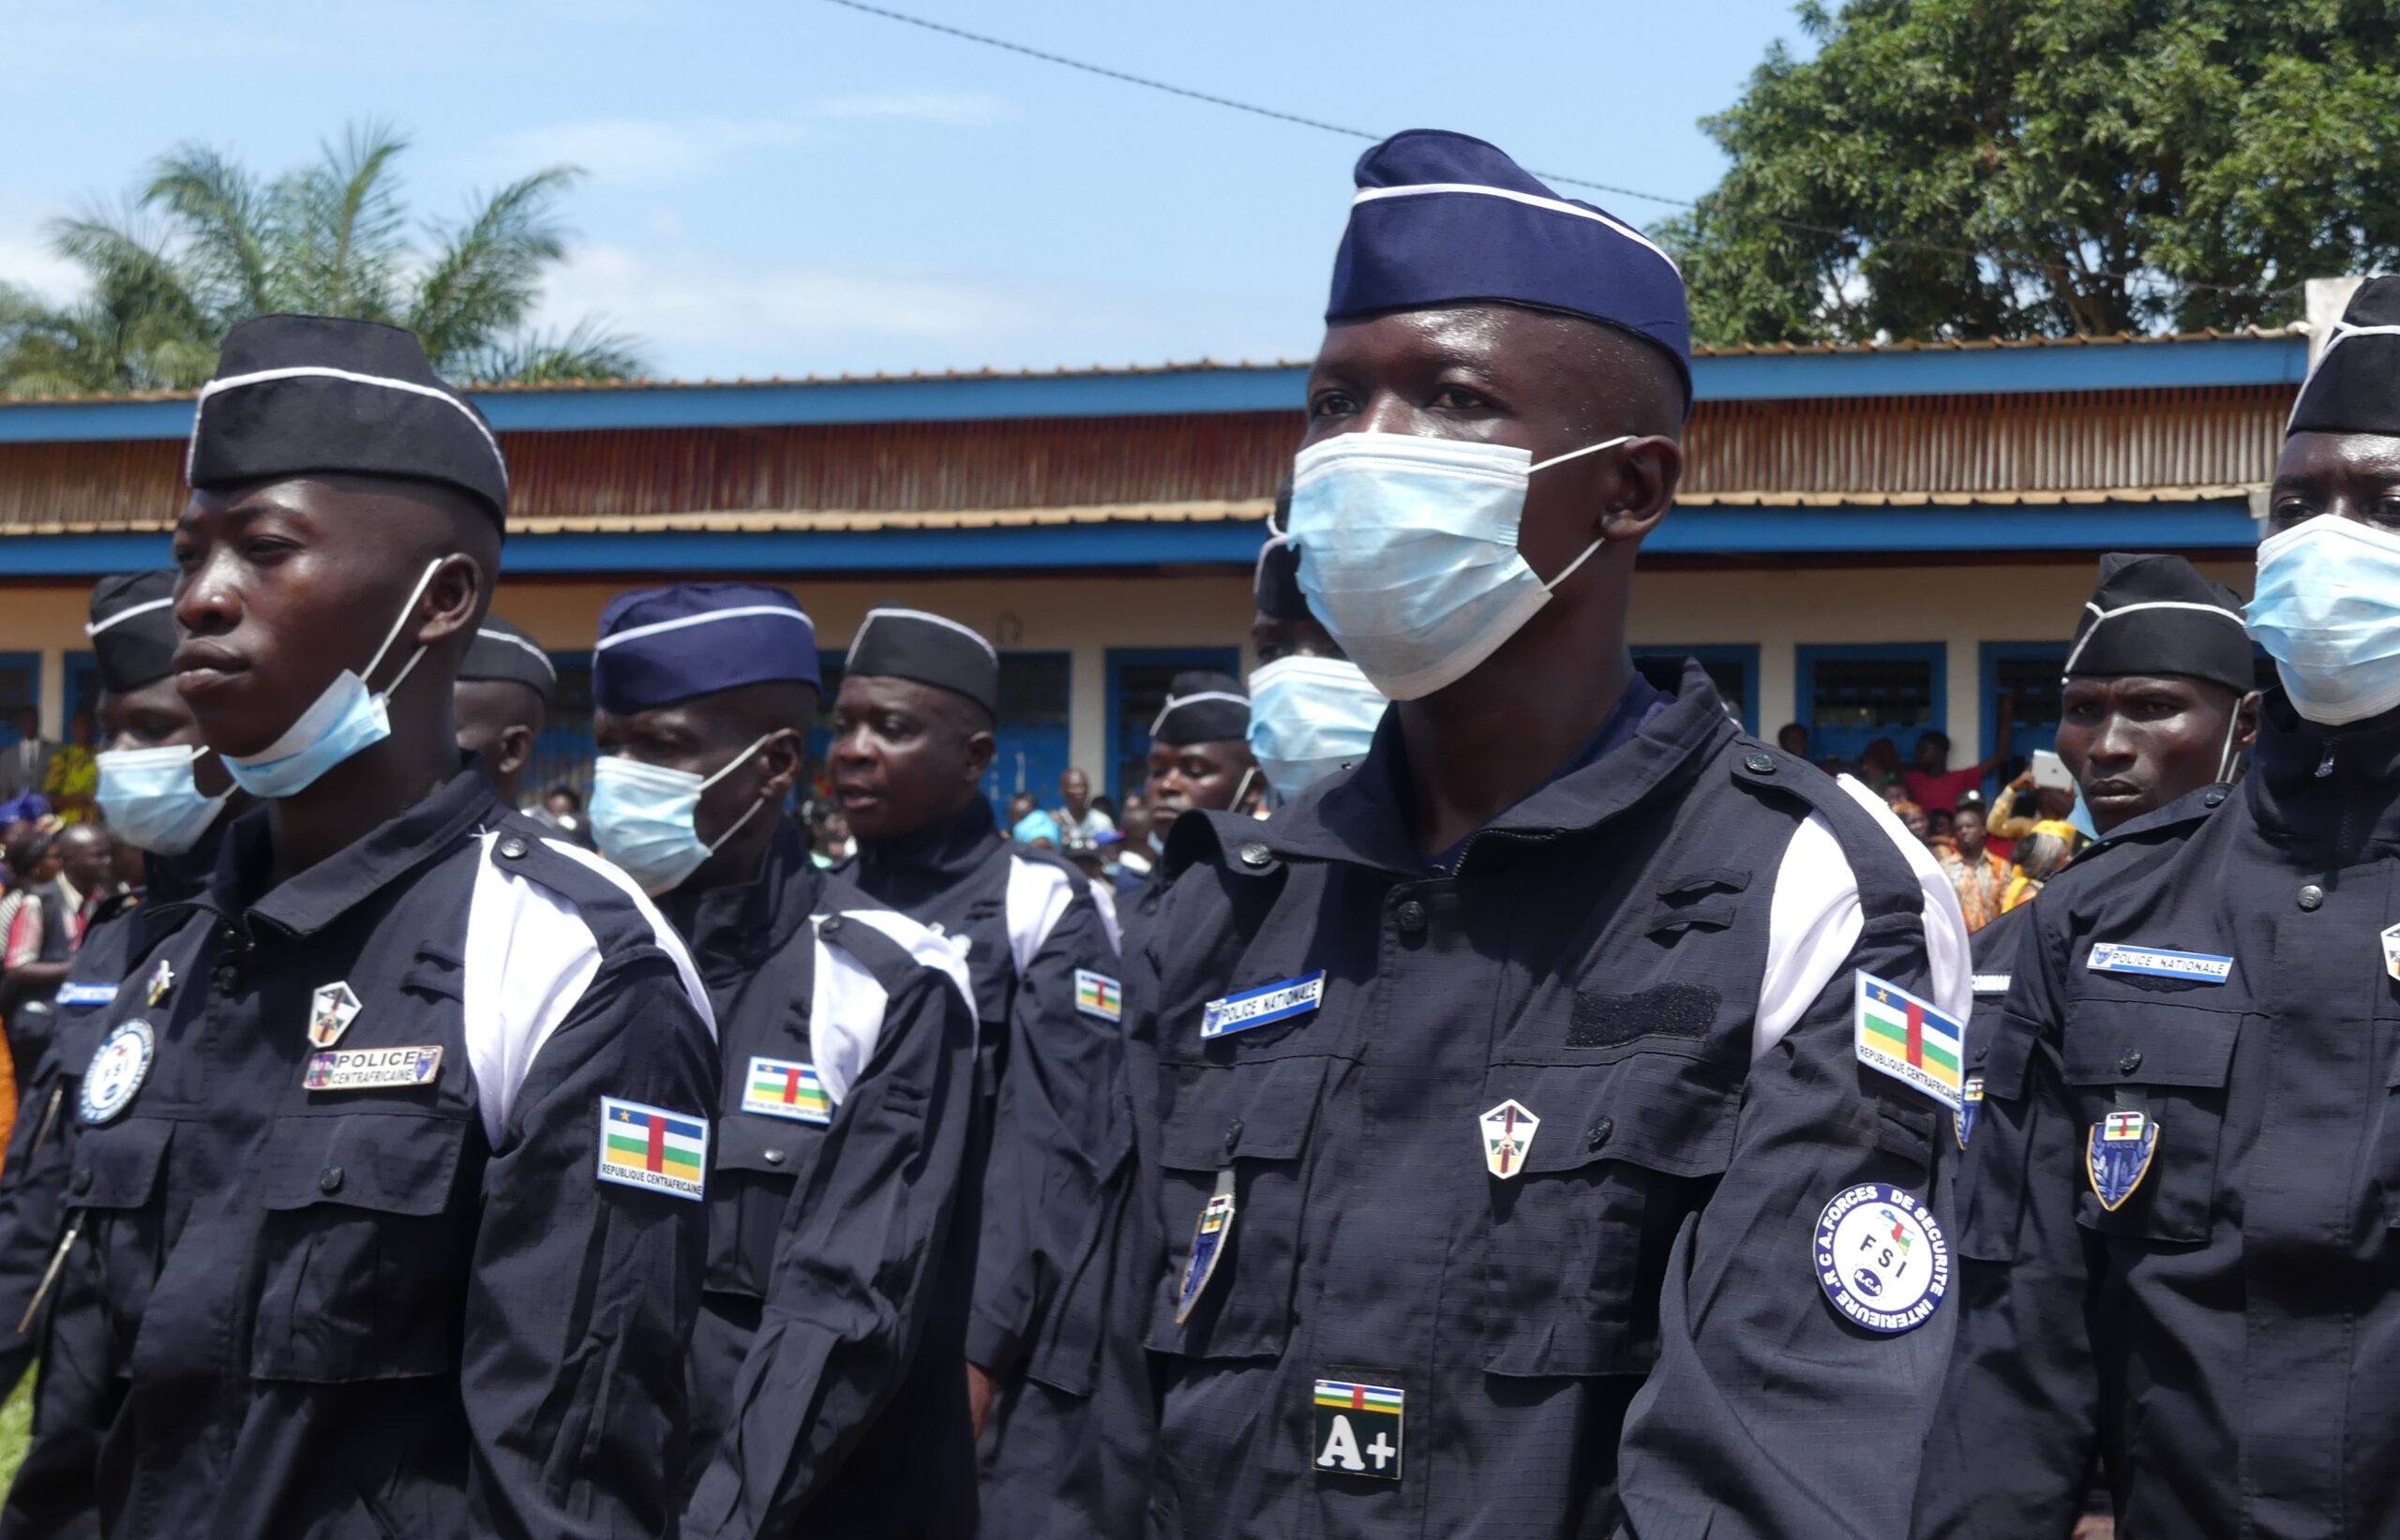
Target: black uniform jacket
{"type": "Point", "coordinates": [411, 1309]}
{"type": "Point", "coordinates": [2225, 1334]}
{"type": "Point", "coordinates": [1625, 1331]}
{"type": "Point", "coordinates": [828, 1394]}
{"type": "Point", "coordinates": [1052, 1050]}
{"type": "Point", "coordinates": [74, 1392]}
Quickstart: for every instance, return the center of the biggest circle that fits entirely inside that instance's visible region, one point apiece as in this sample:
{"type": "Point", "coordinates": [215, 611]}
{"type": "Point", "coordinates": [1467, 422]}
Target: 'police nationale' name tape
{"type": "Point", "coordinates": [1257, 1006]}
{"type": "Point", "coordinates": [73, 993]}
{"type": "Point", "coordinates": [2111, 957]}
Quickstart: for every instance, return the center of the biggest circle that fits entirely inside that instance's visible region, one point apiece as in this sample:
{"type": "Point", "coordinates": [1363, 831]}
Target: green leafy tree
{"type": "Point", "coordinates": [2028, 168]}
{"type": "Point", "coordinates": [209, 243]}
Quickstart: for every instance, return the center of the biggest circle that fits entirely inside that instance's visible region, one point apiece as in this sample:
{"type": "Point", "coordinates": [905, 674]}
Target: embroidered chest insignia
{"type": "Point", "coordinates": [2391, 951]}
{"type": "Point", "coordinates": [1970, 1101]}
{"type": "Point", "coordinates": [1509, 1132]}
{"type": "Point", "coordinates": [2117, 1155]}
{"type": "Point", "coordinates": [1208, 1239]}
{"type": "Point", "coordinates": [1357, 1429]}
{"type": "Point", "coordinates": [2157, 962]}
{"type": "Point", "coordinates": [117, 1071]}
{"type": "Point", "coordinates": [331, 1010]}
{"type": "Point", "coordinates": [786, 1089]}
{"type": "Point", "coordinates": [162, 983]}
{"type": "Point", "coordinates": [1880, 1258]}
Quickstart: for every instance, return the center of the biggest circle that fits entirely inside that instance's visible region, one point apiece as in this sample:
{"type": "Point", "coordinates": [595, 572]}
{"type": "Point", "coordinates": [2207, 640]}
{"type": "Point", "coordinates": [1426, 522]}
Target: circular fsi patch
{"type": "Point", "coordinates": [118, 1072]}
{"type": "Point", "coordinates": [1880, 1258]}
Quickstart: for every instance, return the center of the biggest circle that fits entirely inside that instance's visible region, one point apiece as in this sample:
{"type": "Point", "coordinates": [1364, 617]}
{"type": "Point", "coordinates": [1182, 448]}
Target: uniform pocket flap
{"type": "Point", "coordinates": [1649, 1110]}
{"type": "Point", "coordinates": [2145, 1043]}
{"type": "Point", "coordinates": [2005, 1061]}
{"type": "Point", "coordinates": [117, 1167]}
{"type": "Point", "coordinates": [1255, 1110]}
{"type": "Point", "coordinates": [746, 1142]}
{"type": "Point", "coordinates": [392, 1162]}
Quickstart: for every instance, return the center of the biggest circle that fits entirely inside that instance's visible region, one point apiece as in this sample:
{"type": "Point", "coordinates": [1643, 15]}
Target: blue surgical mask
{"type": "Point", "coordinates": [150, 800]}
{"type": "Point", "coordinates": [1408, 552]}
{"type": "Point", "coordinates": [344, 721]}
{"type": "Point", "coordinates": [1308, 718]}
{"type": "Point", "coordinates": [641, 818]}
{"type": "Point", "coordinates": [2327, 611]}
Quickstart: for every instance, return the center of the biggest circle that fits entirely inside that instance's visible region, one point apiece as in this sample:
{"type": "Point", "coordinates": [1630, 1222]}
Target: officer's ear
{"type": "Point", "coordinates": [2245, 723]}
{"type": "Point", "coordinates": [783, 763]}
{"type": "Point", "coordinates": [513, 751]}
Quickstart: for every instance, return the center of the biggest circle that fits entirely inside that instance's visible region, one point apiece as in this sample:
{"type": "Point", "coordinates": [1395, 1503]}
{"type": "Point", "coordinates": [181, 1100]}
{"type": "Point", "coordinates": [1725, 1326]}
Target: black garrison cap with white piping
{"type": "Point", "coordinates": [2157, 615]}
{"type": "Point", "coordinates": [915, 644]}
{"type": "Point", "coordinates": [133, 629]}
{"type": "Point", "coordinates": [659, 646]}
{"type": "Point", "coordinates": [1202, 707]}
{"type": "Point", "coordinates": [2355, 387]}
{"type": "Point", "coordinates": [503, 651]}
{"type": "Point", "coordinates": [1442, 218]}
{"type": "Point", "coordinates": [297, 394]}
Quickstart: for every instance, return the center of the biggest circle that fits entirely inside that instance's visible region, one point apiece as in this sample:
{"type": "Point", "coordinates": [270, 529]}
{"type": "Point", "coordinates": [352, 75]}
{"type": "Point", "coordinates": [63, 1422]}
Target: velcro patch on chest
{"type": "Point", "coordinates": [2158, 962]}
{"type": "Point", "coordinates": [1098, 994]}
{"type": "Point", "coordinates": [786, 1088]}
{"type": "Point", "coordinates": [1275, 1002]}
{"type": "Point", "coordinates": [1667, 1010]}
{"type": "Point", "coordinates": [372, 1068]}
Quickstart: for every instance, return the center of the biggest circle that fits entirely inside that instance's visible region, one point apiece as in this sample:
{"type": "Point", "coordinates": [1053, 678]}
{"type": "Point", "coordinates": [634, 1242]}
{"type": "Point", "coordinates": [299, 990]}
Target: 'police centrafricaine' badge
{"type": "Point", "coordinates": [162, 982]}
{"type": "Point", "coordinates": [1908, 1040]}
{"type": "Point", "coordinates": [786, 1089]}
{"type": "Point", "coordinates": [1970, 1101]}
{"type": "Point", "coordinates": [1273, 1002]}
{"type": "Point", "coordinates": [117, 1071]}
{"type": "Point", "coordinates": [1098, 994]}
{"type": "Point", "coordinates": [654, 1149]}
{"type": "Point", "coordinates": [1508, 1137]}
{"type": "Point", "coordinates": [1209, 1239]}
{"type": "Point", "coordinates": [372, 1068]}
{"type": "Point", "coordinates": [331, 1010]}
{"type": "Point", "coordinates": [1357, 1429]}
{"type": "Point", "coordinates": [1880, 1258]}
{"type": "Point", "coordinates": [2158, 962]}
{"type": "Point", "coordinates": [2117, 1153]}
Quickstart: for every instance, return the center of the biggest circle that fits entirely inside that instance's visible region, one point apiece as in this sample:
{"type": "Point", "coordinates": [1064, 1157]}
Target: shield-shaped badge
{"type": "Point", "coordinates": [331, 1010]}
{"type": "Point", "coordinates": [1209, 1239]}
{"type": "Point", "coordinates": [1970, 1101]}
{"type": "Point", "coordinates": [2391, 951]}
{"type": "Point", "coordinates": [1507, 1135]}
{"type": "Point", "coordinates": [2117, 1153]}
{"type": "Point", "coordinates": [162, 981]}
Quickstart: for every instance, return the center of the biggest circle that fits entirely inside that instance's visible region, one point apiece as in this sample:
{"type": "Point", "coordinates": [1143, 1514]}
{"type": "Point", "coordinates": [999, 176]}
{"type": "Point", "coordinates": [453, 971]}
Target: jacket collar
{"type": "Point", "coordinates": [177, 879]}
{"type": "Point", "coordinates": [1363, 818]}
{"type": "Point", "coordinates": [329, 889]}
{"type": "Point", "coordinates": [2311, 782]}
{"type": "Point", "coordinates": [744, 923]}
{"type": "Point", "coordinates": [911, 868]}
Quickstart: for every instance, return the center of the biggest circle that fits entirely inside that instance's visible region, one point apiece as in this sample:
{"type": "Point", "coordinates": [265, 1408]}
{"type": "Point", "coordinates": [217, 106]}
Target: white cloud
{"type": "Point", "coordinates": [25, 257]}
{"type": "Point", "coordinates": [952, 109]}
{"type": "Point", "coordinates": [632, 150]}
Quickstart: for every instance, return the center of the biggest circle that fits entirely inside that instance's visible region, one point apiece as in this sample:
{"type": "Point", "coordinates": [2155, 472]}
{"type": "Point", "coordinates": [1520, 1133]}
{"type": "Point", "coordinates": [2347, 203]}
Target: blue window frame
{"type": "Point", "coordinates": [1137, 683]}
{"type": "Point", "coordinates": [1851, 696]}
{"type": "Point", "coordinates": [1733, 667]}
{"type": "Point", "coordinates": [562, 754]}
{"type": "Point", "coordinates": [20, 688]}
{"type": "Point", "coordinates": [2030, 672]}
{"type": "Point", "coordinates": [83, 671]}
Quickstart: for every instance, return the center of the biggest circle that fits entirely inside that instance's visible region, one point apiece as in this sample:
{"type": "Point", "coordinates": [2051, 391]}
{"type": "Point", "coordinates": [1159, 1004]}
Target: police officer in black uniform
{"type": "Point", "coordinates": [393, 1177]}
{"type": "Point", "coordinates": [2157, 703]}
{"type": "Point", "coordinates": [2179, 1197]}
{"type": "Point", "coordinates": [505, 683]}
{"type": "Point", "coordinates": [1548, 1111]}
{"type": "Point", "coordinates": [847, 1042]}
{"type": "Point", "coordinates": [912, 737]}
{"type": "Point", "coordinates": [160, 791]}
{"type": "Point", "coordinates": [1199, 757]}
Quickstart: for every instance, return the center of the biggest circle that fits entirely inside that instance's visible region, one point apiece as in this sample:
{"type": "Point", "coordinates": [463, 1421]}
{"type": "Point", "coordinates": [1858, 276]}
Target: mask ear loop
{"type": "Point", "coordinates": [1552, 587]}
{"type": "Point", "coordinates": [1242, 789]}
{"type": "Point", "coordinates": [755, 805]}
{"type": "Point", "coordinates": [394, 634]}
{"type": "Point", "coordinates": [2227, 756]}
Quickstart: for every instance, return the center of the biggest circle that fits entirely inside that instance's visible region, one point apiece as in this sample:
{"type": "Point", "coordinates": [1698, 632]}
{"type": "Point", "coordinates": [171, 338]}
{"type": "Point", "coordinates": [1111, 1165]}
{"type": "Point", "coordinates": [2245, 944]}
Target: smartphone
{"type": "Point", "coordinates": [2050, 771]}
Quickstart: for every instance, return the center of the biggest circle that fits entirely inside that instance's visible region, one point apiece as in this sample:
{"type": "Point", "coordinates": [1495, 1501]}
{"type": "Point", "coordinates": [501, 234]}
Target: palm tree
{"type": "Point", "coordinates": [207, 244]}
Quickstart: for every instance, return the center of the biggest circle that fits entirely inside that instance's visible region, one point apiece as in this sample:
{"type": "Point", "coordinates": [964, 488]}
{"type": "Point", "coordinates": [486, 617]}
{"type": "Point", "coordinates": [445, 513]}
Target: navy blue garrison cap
{"type": "Point", "coordinates": [659, 646]}
{"type": "Point", "coordinates": [1440, 218]}
{"type": "Point", "coordinates": [299, 393]}
{"type": "Point", "coordinates": [133, 629]}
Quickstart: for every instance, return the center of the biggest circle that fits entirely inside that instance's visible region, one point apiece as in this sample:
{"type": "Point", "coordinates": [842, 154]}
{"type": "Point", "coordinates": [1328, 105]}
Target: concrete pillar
{"type": "Point", "coordinates": [1087, 747]}
{"type": "Point", "coordinates": [52, 694]}
{"type": "Point", "coordinates": [1777, 684]}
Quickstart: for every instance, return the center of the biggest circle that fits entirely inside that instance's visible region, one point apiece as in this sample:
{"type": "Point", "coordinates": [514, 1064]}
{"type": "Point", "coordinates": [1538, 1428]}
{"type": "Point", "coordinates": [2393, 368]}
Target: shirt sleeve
{"type": "Point", "coordinates": [2016, 1431]}
{"type": "Point", "coordinates": [858, 1268]}
{"type": "Point", "coordinates": [1050, 1132]}
{"type": "Point", "coordinates": [24, 929]}
{"type": "Point", "coordinates": [1768, 1414]}
{"type": "Point", "coordinates": [582, 1292]}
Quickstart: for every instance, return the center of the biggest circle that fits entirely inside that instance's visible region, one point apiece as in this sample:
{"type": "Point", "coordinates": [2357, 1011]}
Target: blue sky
{"type": "Point", "coordinates": [795, 188]}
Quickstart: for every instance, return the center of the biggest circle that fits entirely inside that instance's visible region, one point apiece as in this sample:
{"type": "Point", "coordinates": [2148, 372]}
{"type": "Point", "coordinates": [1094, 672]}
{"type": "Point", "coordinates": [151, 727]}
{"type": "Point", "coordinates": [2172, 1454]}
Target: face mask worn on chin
{"type": "Point", "coordinates": [151, 802]}
{"type": "Point", "coordinates": [1308, 718]}
{"type": "Point", "coordinates": [345, 721]}
{"type": "Point", "coordinates": [2327, 611]}
{"type": "Point", "coordinates": [641, 818]}
{"type": "Point", "coordinates": [1408, 552]}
